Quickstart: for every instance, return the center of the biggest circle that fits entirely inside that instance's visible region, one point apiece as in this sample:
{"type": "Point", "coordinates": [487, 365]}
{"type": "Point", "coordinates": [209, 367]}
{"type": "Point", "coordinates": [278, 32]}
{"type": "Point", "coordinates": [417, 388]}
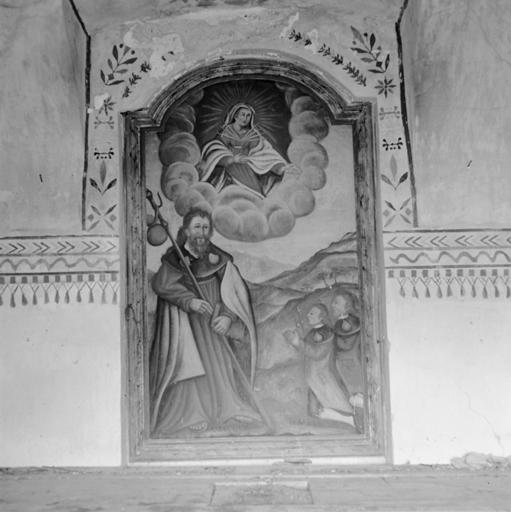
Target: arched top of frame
{"type": "Point", "coordinates": [337, 100]}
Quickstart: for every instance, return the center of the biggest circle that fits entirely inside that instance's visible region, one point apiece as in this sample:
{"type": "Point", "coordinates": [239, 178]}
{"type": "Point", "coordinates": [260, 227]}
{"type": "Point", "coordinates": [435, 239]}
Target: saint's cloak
{"type": "Point", "coordinates": [192, 379]}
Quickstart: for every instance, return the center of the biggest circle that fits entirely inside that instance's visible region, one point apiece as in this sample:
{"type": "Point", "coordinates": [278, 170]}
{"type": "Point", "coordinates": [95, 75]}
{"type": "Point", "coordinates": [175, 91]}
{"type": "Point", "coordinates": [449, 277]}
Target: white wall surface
{"type": "Point", "coordinates": [449, 378]}
{"type": "Point", "coordinates": [60, 385]}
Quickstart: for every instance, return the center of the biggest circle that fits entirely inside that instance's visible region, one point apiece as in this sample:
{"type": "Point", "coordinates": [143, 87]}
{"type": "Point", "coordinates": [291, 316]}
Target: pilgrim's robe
{"type": "Point", "coordinates": [349, 358]}
{"type": "Point", "coordinates": [192, 379]}
{"type": "Point", "coordinates": [327, 388]}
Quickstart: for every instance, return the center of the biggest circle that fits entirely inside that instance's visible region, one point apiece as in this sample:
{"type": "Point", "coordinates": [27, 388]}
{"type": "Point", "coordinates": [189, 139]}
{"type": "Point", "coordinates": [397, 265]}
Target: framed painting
{"type": "Point", "coordinates": [253, 311]}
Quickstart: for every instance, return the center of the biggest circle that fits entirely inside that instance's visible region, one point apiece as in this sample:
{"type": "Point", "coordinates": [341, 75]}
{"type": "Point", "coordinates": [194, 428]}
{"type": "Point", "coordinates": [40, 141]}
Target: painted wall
{"type": "Point", "coordinates": [60, 363]}
{"type": "Point", "coordinates": [61, 395]}
{"type": "Point", "coordinates": [449, 344]}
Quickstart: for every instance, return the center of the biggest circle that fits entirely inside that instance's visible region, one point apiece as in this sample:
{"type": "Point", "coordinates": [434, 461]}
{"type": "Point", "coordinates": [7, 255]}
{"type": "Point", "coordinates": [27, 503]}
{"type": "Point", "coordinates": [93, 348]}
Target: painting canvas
{"type": "Point", "coordinates": [253, 295]}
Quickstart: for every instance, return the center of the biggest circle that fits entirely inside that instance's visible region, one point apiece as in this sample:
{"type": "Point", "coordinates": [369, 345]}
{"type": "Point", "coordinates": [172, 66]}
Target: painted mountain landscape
{"type": "Point", "coordinates": [281, 304]}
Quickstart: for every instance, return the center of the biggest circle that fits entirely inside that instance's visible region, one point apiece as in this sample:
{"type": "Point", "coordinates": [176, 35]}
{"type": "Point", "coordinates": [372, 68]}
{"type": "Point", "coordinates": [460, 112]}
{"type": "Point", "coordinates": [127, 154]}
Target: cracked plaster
{"type": "Point", "coordinates": [99, 14]}
{"type": "Point", "coordinates": [165, 51]}
{"type": "Point", "coordinates": [465, 96]}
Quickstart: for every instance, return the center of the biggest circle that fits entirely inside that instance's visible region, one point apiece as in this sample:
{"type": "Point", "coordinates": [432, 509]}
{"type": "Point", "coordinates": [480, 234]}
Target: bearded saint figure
{"type": "Point", "coordinates": [192, 381]}
{"type": "Point", "coordinates": [240, 155]}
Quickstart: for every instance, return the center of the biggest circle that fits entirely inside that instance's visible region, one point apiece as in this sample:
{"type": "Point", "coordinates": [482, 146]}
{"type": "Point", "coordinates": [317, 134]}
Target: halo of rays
{"type": "Point", "coordinates": [271, 112]}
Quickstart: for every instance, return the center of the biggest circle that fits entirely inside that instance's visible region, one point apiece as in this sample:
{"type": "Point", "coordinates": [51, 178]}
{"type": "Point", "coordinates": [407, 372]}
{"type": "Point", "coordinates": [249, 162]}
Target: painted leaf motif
{"type": "Point", "coordinates": [387, 61]}
{"type": "Point", "coordinates": [130, 61]}
{"type": "Point", "coordinates": [358, 50]}
{"type": "Point", "coordinates": [386, 180]}
{"type": "Point", "coordinates": [390, 205]}
{"type": "Point", "coordinates": [357, 35]}
{"type": "Point", "coordinates": [372, 40]}
{"type": "Point", "coordinates": [389, 221]}
{"type": "Point", "coordinates": [403, 178]}
{"type": "Point", "coordinates": [367, 59]}
{"type": "Point", "coordinates": [102, 76]}
{"type": "Point", "coordinates": [115, 53]}
{"type": "Point", "coordinates": [111, 184]}
{"type": "Point", "coordinates": [102, 172]}
{"type": "Point", "coordinates": [111, 209]}
{"type": "Point", "coordinates": [95, 210]}
{"type": "Point", "coordinates": [405, 219]}
{"type": "Point", "coordinates": [393, 166]}
{"type": "Point", "coordinates": [110, 64]}
{"type": "Point", "coordinates": [121, 71]}
{"type": "Point", "coordinates": [92, 226]}
{"type": "Point", "coordinates": [405, 203]}
{"type": "Point", "coordinates": [116, 82]}
{"type": "Point", "coordinates": [376, 71]}
{"type": "Point", "coordinates": [94, 184]}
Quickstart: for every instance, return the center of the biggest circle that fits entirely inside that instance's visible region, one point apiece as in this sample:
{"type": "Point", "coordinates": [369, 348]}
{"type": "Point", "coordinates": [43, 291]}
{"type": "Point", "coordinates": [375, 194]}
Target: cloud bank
{"type": "Point", "coordinates": [239, 213]}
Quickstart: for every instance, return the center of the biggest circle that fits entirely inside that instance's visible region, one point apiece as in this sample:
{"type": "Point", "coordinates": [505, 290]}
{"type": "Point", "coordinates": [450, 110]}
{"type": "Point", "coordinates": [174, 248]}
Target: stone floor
{"type": "Point", "coordinates": [281, 487]}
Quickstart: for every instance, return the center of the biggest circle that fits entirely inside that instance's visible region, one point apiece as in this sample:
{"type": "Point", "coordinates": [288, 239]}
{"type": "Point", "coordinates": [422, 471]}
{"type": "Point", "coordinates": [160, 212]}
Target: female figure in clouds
{"type": "Point", "coordinates": [240, 155]}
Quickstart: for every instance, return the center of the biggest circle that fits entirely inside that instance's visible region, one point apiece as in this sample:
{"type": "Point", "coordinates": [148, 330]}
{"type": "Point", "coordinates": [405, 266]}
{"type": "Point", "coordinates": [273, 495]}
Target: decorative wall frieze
{"type": "Point", "coordinates": [65, 269]}
{"type": "Point", "coordinates": [454, 263]}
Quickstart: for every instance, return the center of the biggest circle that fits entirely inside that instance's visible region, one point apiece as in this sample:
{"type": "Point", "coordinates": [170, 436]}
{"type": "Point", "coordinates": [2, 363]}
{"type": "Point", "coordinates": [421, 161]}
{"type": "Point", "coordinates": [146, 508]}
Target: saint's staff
{"type": "Point", "coordinates": [201, 295]}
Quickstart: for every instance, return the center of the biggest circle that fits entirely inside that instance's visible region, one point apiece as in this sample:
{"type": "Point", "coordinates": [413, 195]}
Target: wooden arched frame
{"type": "Point", "coordinates": [375, 440]}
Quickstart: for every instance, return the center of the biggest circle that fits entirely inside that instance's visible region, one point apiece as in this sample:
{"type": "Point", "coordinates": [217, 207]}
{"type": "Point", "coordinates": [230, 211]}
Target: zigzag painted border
{"type": "Point", "coordinates": [58, 245]}
{"type": "Point", "coordinates": [60, 254]}
{"type": "Point", "coordinates": [454, 263]}
{"type": "Point", "coordinates": [424, 263]}
{"type": "Point", "coordinates": [59, 269]}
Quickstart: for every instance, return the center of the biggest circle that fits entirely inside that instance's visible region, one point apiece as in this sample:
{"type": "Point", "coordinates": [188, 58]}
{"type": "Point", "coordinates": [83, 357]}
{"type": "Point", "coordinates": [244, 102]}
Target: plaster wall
{"type": "Point", "coordinates": [60, 385]}
{"type": "Point", "coordinates": [60, 388]}
{"type": "Point", "coordinates": [449, 357]}
{"type": "Point", "coordinates": [458, 74]}
{"type": "Point", "coordinates": [41, 129]}
{"type": "Point", "coordinates": [449, 372]}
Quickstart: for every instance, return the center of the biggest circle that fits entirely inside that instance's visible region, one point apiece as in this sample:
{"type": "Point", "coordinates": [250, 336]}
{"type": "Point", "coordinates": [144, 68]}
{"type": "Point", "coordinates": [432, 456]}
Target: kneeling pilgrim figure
{"type": "Point", "coordinates": [328, 395]}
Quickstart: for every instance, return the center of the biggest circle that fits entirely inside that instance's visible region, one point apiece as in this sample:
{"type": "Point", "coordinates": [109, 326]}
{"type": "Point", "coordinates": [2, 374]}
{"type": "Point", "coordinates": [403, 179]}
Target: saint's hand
{"type": "Point", "coordinates": [293, 338]}
{"type": "Point", "coordinates": [221, 324]}
{"type": "Point", "coordinates": [201, 306]}
{"type": "Point", "coordinates": [240, 159]}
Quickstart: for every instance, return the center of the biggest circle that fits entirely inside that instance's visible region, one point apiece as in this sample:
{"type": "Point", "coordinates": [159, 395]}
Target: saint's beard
{"type": "Point", "coordinates": [199, 244]}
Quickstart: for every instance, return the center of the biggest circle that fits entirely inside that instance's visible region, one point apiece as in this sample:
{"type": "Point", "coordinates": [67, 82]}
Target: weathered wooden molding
{"type": "Point", "coordinates": [335, 99]}
{"type": "Point", "coordinates": [375, 440]}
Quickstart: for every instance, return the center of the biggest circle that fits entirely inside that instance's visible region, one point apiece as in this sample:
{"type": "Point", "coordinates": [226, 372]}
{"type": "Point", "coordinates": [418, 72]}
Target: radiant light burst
{"type": "Point", "coordinates": [266, 101]}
